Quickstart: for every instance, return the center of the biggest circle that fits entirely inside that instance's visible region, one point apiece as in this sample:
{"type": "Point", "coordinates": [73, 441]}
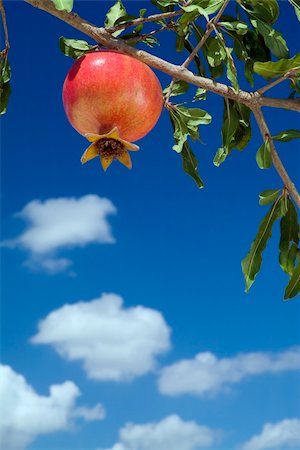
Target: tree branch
{"type": "Point", "coordinates": [153, 18]}
{"type": "Point", "coordinates": [209, 29]}
{"type": "Point", "coordinates": [3, 15]}
{"type": "Point", "coordinates": [290, 74]}
{"type": "Point", "coordinates": [101, 36]}
{"type": "Point", "coordinates": [275, 157]}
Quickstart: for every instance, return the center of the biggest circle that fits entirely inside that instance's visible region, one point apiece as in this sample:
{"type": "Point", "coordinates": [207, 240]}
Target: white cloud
{"type": "Point", "coordinates": [26, 414]}
{"type": "Point", "coordinates": [170, 433]}
{"type": "Point", "coordinates": [113, 342]}
{"type": "Point", "coordinates": [207, 374]}
{"type": "Point", "coordinates": [59, 223]}
{"type": "Point", "coordinates": [284, 434]}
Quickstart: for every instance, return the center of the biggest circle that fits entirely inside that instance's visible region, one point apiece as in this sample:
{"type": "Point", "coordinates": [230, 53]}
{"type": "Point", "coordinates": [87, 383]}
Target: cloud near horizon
{"type": "Point", "coordinates": [62, 223]}
{"type": "Point", "coordinates": [112, 342]}
{"type": "Point", "coordinates": [25, 414]}
{"type": "Point", "coordinates": [170, 433]}
{"type": "Point", "coordinates": [207, 374]}
{"type": "Point", "coordinates": [283, 434]}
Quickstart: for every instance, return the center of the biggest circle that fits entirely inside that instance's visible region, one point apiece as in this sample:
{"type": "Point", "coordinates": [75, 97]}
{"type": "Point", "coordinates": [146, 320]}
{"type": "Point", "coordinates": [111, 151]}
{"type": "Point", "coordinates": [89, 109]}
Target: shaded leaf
{"type": "Point", "coordinates": [296, 5]}
{"type": "Point", "coordinates": [268, 196]}
{"type": "Point", "coordinates": [4, 96]}
{"type": "Point", "coordinates": [293, 286]}
{"type": "Point", "coordinates": [200, 94]}
{"type": "Point", "coordinates": [273, 39]}
{"type": "Point", "coordinates": [215, 52]}
{"type": "Point", "coordinates": [252, 262]}
{"type": "Point", "coordinates": [266, 10]}
{"type": "Point", "coordinates": [279, 68]}
{"type": "Point", "coordinates": [263, 156]}
{"type": "Point", "coordinates": [190, 164]}
{"type": "Point", "coordinates": [286, 136]}
{"type": "Point", "coordinates": [63, 5]}
{"type": "Point", "coordinates": [73, 47]}
{"type": "Point", "coordinates": [289, 238]}
{"type": "Point", "coordinates": [238, 27]}
{"type": "Point", "coordinates": [179, 87]}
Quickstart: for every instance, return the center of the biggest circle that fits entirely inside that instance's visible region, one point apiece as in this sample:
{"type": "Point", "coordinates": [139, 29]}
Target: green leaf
{"type": "Point", "coordinates": [252, 262]}
{"type": "Point", "coordinates": [179, 87]}
{"type": "Point", "coordinates": [63, 5]}
{"type": "Point", "coordinates": [273, 39]}
{"type": "Point", "coordinates": [220, 156]}
{"type": "Point", "coordinates": [200, 94]}
{"type": "Point", "coordinates": [289, 238]}
{"type": "Point", "coordinates": [114, 13]}
{"type": "Point", "coordinates": [296, 5]}
{"type": "Point", "coordinates": [4, 96]}
{"type": "Point", "coordinates": [286, 136]}
{"type": "Point", "coordinates": [266, 10]}
{"type": "Point", "coordinates": [231, 71]}
{"type": "Point", "coordinates": [73, 47]}
{"type": "Point", "coordinates": [239, 27]}
{"type": "Point", "coordinates": [215, 52]}
{"type": "Point", "coordinates": [190, 165]}
{"type": "Point", "coordinates": [268, 196]}
{"type": "Point", "coordinates": [263, 156]}
{"type": "Point", "coordinates": [293, 287]}
{"type": "Point", "coordinates": [5, 71]}
{"type": "Point", "coordinates": [279, 68]}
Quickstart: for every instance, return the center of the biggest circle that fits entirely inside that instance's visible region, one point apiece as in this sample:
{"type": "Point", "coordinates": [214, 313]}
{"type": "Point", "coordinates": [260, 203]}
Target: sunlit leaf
{"type": "Point", "coordinates": [273, 39]}
{"type": "Point", "coordinates": [252, 262]}
{"type": "Point", "coordinates": [268, 196]}
{"type": "Point", "coordinates": [238, 27]}
{"type": "Point", "coordinates": [63, 5]}
{"type": "Point", "coordinates": [73, 47]}
{"type": "Point", "coordinates": [179, 87]}
{"type": "Point", "coordinates": [287, 135]}
{"type": "Point", "coordinates": [263, 156]}
{"type": "Point", "coordinates": [114, 13]}
{"type": "Point", "coordinates": [279, 68]}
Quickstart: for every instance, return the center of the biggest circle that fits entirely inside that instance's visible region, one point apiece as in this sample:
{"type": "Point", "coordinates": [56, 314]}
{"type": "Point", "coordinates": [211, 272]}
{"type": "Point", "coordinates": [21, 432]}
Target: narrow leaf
{"type": "Point", "coordinates": [263, 156]}
{"type": "Point", "coordinates": [293, 286]}
{"type": "Point", "coordinates": [279, 68]}
{"type": "Point", "coordinates": [266, 10]}
{"type": "Point", "coordinates": [190, 165]}
{"type": "Point", "coordinates": [252, 262]}
{"type": "Point", "coordinates": [63, 5]}
{"type": "Point", "coordinates": [268, 196]}
{"type": "Point", "coordinates": [220, 156]}
{"type": "Point", "coordinates": [4, 96]}
{"type": "Point", "coordinates": [289, 238]}
{"type": "Point", "coordinates": [296, 5]}
{"type": "Point", "coordinates": [73, 47]}
{"type": "Point", "coordinates": [286, 136]}
{"type": "Point", "coordinates": [273, 39]}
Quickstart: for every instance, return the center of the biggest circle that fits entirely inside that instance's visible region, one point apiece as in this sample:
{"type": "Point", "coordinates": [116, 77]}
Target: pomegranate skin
{"type": "Point", "coordinates": [107, 89]}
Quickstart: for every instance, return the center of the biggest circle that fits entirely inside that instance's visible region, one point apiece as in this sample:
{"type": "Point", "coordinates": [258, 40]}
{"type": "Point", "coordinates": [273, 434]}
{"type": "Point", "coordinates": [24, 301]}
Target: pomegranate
{"type": "Point", "coordinates": [111, 99]}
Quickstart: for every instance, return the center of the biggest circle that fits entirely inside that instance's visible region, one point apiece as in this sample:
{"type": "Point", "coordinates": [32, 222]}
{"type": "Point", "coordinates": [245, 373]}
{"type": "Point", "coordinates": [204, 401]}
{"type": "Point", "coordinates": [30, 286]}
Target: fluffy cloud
{"type": "Point", "coordinates": [59, 223]}
{"type": "Point", "coordinates": [170, 433]}
{"type": "Point", "coordinates": [113, 342]}
{"type": "Point", "coordinates": [26, 414]}
{"type": "Point", "coordinates": [207, 374]}
{"type": "Point", "coordinates": [284, 434]}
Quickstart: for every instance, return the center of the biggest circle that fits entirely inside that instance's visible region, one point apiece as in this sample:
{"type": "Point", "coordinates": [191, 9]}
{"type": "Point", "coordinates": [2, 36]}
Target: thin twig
{"type": "Point", "coordinates": [290, 74]}
{"type": "Point", "coordinates": [260, 119]}
{"type": "Point", "coordinates": [3, 15]}
{"type": "Point", "coordinates": [100, 35]}
{"type": "Point", "coordinates": [153, 18]}
{"type": "Point", "coordinates": [209, 29]}
{"type": "Point", "coordinates": [135, 39]}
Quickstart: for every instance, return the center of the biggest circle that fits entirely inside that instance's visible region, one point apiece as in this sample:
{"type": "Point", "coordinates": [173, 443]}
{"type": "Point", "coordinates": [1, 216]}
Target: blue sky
{"type": "Point", "coordinates": [150, 239]}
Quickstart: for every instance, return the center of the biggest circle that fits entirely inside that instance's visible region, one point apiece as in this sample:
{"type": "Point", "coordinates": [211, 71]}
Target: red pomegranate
{"type": "Point", "coordinates": [111, 99]}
